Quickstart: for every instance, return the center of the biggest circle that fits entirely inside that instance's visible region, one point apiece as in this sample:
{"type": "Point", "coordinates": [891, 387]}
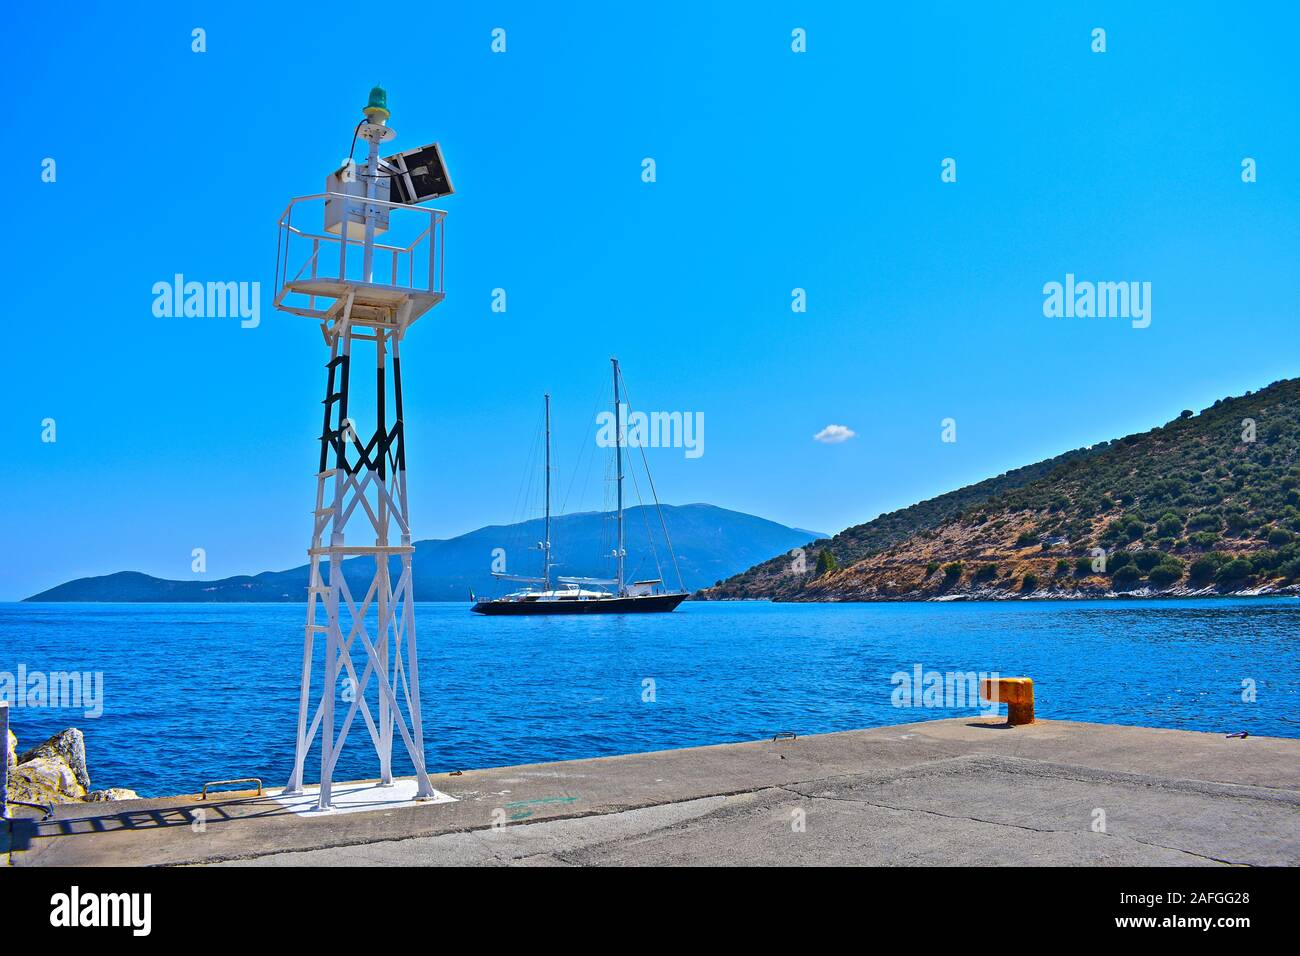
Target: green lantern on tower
{"type": "Point", "coordinates": [377, 109]}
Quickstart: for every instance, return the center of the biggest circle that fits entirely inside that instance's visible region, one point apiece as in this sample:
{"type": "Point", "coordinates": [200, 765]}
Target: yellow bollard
{"type": "Point", "coordinates": [1017, 693]}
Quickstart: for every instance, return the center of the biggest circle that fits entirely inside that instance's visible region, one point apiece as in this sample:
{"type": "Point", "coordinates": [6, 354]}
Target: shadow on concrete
{"type": "Point", "coordinates": [24, 831]}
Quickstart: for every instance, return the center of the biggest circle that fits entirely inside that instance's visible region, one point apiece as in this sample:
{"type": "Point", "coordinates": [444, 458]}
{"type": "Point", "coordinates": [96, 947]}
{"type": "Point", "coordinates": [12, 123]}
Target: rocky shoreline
{"type": "Point", "coordinates": [870, 595]}
{"type": "Point", "coordinates": [54, 772]}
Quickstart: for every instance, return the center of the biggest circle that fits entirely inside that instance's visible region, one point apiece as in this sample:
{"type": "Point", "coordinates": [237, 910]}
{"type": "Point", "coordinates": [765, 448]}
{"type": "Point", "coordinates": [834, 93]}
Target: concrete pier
{"type": "Point", "coordinates": [967, 792]}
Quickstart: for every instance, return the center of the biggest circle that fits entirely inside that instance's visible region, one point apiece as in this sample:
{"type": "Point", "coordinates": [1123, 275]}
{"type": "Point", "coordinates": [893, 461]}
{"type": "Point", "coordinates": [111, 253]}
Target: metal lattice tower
{"type": "Point", "coordinates": [361, 525]}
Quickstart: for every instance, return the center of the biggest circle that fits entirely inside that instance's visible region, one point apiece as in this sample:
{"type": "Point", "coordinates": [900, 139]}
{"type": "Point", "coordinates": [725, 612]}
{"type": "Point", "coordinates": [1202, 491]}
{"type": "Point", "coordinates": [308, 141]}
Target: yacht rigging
{"type": "Point", "coordinates": [588, 595]}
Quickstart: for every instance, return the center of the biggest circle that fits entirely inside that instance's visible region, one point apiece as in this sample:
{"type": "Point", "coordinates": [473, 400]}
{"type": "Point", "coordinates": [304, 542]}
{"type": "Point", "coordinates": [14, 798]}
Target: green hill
{"type": "Point", "coordinates": [1208, 503]}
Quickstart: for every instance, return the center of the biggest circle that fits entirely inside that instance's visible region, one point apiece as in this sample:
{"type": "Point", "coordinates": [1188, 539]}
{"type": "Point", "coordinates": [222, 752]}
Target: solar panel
{"type": "Point", "coordinates": [419, 175]}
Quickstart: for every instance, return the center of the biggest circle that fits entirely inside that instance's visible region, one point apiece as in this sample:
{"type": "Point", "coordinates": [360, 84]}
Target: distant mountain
{"type": "Point", "coordinates": [1207, 503]}
{"type": "Point", "coordinates": [711, 543]}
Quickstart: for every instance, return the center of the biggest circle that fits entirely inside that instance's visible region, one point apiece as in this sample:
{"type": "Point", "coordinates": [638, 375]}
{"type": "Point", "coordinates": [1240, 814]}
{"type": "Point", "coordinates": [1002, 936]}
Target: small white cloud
{"type": "Point", "coordinates": [834, 434]}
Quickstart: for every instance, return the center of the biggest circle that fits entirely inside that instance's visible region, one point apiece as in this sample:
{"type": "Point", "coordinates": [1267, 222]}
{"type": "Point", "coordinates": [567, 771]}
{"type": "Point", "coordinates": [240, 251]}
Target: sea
{"type": "Point", "coordinates": [198, 692]}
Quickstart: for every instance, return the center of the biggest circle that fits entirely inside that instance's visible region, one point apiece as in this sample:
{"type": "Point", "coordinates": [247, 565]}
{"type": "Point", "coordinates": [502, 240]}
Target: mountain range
{"type": "Point", "coordinates": [710, 543]}
{"type": "Point", "coordinates": [1208, 503]}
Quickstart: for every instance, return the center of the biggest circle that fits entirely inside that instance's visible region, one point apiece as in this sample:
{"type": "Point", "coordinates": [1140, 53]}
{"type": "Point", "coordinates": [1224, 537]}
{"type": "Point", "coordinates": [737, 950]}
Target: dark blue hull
{"type": "Point", "coordinates": [641, 604]}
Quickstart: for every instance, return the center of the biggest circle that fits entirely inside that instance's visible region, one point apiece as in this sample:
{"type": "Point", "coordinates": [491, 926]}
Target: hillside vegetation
{"type": "Point", "coordinates": [1208, 503]}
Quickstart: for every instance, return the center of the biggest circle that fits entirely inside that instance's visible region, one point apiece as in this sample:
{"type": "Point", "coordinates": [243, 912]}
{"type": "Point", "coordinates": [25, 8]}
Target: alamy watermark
{"type": "Point", "coordinates": [75, 690]}
{"type": "Point", "coordinates": [652, 430]}
{"type": "Point", "coordinates": [1100, 300]}
{"type": "Point", "coordinates": [208, 300]}
{"type": "Point", "coordinates": [76, 909]}
{"type": "Point", "coordinates": [922, 688]}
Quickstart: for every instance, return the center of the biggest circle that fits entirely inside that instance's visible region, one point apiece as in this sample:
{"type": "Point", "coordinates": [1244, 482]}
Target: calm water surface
{"type": "Point", "coordinates": [204, 692]}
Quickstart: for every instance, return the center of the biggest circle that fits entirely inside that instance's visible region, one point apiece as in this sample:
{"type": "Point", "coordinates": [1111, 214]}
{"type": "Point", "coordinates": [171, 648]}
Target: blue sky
{"type": "Point", "coordinates": [775, 170]}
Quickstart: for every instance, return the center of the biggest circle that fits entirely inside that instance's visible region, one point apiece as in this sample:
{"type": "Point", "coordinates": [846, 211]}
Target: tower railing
{"type": "Point", "coordinates": [313, 265]}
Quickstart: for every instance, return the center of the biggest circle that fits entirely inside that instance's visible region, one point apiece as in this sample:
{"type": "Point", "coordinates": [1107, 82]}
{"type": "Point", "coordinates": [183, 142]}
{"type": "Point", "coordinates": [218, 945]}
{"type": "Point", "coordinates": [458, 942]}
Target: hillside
{"type": "Point", "coordinates": [1208, 503]}
{"type": "Point", "coordinates": [773, 578]}
{"type": "Point", "coordinates": [710, 543]}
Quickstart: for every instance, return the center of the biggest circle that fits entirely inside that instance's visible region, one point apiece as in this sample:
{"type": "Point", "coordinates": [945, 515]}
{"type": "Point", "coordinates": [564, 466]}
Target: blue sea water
{"type": "Point", "coordinates": [196, 692]}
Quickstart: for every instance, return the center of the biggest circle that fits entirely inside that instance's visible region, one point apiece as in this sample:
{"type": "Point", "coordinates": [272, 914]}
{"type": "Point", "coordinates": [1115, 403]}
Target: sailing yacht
{"type": "Point", "coordinates": [579, 595]}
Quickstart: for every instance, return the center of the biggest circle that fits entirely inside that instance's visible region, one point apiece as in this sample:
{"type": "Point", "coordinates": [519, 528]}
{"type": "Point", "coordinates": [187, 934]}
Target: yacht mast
{"type": "Point", "coordinates": [618, 467]}
{"type": "Point", "coordinates": [546, 534]}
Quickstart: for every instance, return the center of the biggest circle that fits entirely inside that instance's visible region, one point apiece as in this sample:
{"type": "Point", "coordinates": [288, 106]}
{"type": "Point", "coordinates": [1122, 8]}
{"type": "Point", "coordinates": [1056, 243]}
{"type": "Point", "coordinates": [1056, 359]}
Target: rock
{"type": "Point", "coordinates": [68, 746]}
{"type": "Point", "coordinates": [13, 751]}
{"type": "Point", "coordinates": [44, 780]}
{"type": "Point", "coordinates": [55, 772]}
{"type": "Point", "coordinates": [51, 774]}
{"type": "Point", "coordinates": [111, 793]}
{"type": "Point", "coordinates": [25, 788]}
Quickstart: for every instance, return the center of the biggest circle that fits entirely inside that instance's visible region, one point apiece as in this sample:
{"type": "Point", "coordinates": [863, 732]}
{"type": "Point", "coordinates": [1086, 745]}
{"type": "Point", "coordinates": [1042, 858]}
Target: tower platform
{"type": "Point", "coordinates": [316, 269]}
{"type": "Point", "coordinates": [372, 303]}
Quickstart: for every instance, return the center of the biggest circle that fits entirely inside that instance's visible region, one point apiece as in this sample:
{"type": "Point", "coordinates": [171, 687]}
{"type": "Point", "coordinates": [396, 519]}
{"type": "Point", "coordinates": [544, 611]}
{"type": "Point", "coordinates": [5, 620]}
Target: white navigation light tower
{"type": "Point", "coordinates": [365, 293]}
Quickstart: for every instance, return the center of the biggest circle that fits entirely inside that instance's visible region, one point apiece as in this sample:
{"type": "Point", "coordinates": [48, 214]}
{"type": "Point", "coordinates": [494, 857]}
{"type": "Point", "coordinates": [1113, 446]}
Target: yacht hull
{"type": "Point", "coordinates": [641, 604]}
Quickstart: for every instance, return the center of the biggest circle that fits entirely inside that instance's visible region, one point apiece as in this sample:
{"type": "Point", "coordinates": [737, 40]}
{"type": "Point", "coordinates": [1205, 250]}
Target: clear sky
{"type": "Point", "coordinates": [775, 170]}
